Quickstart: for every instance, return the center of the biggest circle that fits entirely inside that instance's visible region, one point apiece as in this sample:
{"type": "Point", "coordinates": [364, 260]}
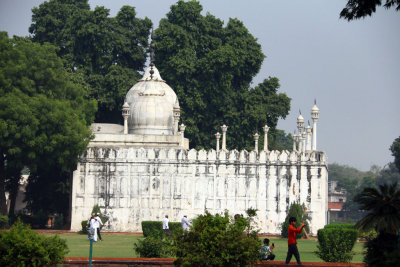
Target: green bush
{"type": "Point", "coordinates": [153, 247]}
{"type": "Point", "coordinates": [299, 212]}
{"type": "Point", "coordinates": [3, 221]}
{"type": "Point", "coordinates": [154, 228]}
{"type": "Point", "coordinates": [368, 234]}
{"type": "Point", "coordinates": [174, 227]}
{"type": "Point", "coordinates": [215, 240]}
{"type": "Point", "coordinates": [23, 247]}
{"type": "Point", "coordinates": [336, 244]}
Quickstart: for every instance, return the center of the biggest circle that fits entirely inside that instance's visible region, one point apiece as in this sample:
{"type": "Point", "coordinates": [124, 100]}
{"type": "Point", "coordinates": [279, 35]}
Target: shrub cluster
{"type": "Point", "coordinates": [155, 244]}
{"type": "Point", "coordinates": [336, 243]}
{"type": "Point", "coordinates": [215, 240]}
{"type": "Point", "coordinates": [23, 247]}
{"type": "Point", "coordinates": [153, 247]}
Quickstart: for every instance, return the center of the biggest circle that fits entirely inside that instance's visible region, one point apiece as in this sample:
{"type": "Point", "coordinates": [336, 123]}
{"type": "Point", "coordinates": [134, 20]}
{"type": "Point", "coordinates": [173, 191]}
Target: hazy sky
{"type": "Point", "coordinates": [351, 68]}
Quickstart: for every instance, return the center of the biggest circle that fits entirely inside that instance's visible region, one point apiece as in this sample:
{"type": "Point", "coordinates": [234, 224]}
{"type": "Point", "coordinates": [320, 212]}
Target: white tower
{"type": "Point", "coordinates": [256, 136]}
{"type": "Point", "coordinates": [266, 129]}
{"type": "Point", "coordinates": [314, 116]}
{"type": "Point", "coordinates": [224, 128]}
{"type": "Point", "coordinates": [300, 125]}
{"type": "Point", "coordinates": [125, 114]}
{"type": "Point", "coordinates": [308, 141]}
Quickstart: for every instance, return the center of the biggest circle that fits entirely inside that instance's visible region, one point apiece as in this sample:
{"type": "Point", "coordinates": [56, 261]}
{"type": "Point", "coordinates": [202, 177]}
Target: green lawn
{"type": "Point", "coordinates": [114, 245]}
{"type": "Point", "coordinates": [121, 246]}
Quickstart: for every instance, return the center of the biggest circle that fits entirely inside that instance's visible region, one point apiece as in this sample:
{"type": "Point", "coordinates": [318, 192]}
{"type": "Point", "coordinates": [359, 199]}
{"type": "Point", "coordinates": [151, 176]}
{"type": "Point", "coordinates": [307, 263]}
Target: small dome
{"type": "Point", "coordinates": [151, 102]}
{"type": "Point", "coordinates": [300, 118]}
{"type": "Point", "coordinates": [315, 109]}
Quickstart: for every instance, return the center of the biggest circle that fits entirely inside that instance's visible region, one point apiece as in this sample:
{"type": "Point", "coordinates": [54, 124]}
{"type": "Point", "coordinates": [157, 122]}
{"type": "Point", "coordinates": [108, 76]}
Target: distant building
{"type": "Point", "coordinates": [336, 199]}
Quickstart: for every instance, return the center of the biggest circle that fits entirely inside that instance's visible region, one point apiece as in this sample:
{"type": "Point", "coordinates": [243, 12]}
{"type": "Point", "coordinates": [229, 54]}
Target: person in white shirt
{"type": "Point", "coordinates": [185, 223]}
{"type": "Point", "coordinates": [165, 225]}
{"type": "Point", "coordinates": [92, 224]}
{"type": "Point", "coordinates": [99, 223]}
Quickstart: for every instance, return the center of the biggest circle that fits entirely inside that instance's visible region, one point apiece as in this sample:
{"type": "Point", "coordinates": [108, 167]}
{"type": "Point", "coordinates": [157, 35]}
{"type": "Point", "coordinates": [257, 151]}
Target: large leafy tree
{"type": "Point", "coordinates": [357, 9]}
{"type": "Point", "coordinates": [44, 112]}
{"type": "Point", "coordinates": [210, 66]}
{"type": "Point", "coordinates": [107, 51]}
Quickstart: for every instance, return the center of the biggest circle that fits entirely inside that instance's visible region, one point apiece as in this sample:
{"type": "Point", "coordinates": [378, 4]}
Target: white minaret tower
{"type": "Point", "coordinates": [224, 128]}
{"type": "Point", "coordinates": [125, 114]}
{"type": "Point", "coordinates": [217, 136]}
{"type": "Point", "coordinates": [266, 129]}
{"type": "Point", "coordinates": [294, 141]}
{"type": "Point", "coordinates": [308, 141]}
{"type": "Point", "coordinates": [182, 128]}
{"type": "Point", "coordinates": [256, 136]}
{"type": "Point", "coordinates": [300, 125]}
{"type": "Point", "coordinates": [177, 114]}
{"type": "Point", "coordinates": [314, 116]}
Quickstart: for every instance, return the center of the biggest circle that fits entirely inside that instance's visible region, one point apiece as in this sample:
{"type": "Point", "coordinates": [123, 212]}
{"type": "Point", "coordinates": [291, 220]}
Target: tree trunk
{"type": "Point", "coordinates": [3, 204]}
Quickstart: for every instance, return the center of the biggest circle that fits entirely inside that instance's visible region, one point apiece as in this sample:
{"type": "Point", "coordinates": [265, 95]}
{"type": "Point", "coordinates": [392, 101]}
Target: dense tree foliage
{"type": "Point", "coordinates": [44, 113]}
{"type": "Point", "coordinates": [356, 9]}
{"type": "Point", "coordinates": [107, 52]}
{"type": "Point", "coordinates": [210, 66]}
{"type": "Point", "coordinates": [353, 181]}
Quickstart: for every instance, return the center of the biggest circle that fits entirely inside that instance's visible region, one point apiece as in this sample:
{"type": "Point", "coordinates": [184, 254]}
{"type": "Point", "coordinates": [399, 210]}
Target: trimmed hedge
{"type": "Point", "coordinates": [340, 225]}
{"type": "Point", "coordinates": [154, 228]}
{"type": "Point", "coordinates": [336, 244]}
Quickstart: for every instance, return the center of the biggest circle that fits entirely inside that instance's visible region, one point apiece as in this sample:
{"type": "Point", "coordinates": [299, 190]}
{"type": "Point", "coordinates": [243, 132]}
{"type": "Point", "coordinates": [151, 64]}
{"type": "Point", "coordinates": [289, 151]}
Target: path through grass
{"type": "Point", "coordinates": [121, 246]}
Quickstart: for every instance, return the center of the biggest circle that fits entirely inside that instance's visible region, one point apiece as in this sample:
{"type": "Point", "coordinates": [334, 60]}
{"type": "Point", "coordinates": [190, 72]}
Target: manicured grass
{"type": "Point", "coordinates": [121, 246]}
{"type": "Point", "coordinates": [114, 245]}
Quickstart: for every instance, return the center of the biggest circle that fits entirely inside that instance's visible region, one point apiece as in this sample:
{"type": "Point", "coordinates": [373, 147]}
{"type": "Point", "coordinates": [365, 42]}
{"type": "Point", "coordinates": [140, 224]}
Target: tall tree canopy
{"type": "Point", "coordinates": [210, 66]}
{"type": "Point", "coordinates": [44, 112]}
{"type": "Point", "coordinates": [357, 9]}
{"type": "Point", "coordinates": [107, 51]}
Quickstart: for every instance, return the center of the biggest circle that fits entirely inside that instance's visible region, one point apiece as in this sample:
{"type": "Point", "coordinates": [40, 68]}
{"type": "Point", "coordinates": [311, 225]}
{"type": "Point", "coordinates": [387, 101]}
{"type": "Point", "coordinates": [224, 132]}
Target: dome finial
{"type": "Point", "coordinates": [152, 54]}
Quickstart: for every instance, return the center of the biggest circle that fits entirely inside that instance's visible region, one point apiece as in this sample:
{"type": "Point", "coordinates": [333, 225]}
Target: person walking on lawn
{"type": "Point", "coordinates": [292, 242]}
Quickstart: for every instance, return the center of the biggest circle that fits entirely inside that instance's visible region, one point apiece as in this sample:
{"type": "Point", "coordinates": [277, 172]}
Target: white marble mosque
{"type": "Point", "coordinates": [144, 169]}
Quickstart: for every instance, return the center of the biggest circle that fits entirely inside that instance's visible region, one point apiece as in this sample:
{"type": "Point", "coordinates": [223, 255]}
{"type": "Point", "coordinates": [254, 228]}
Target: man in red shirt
{"type": "Point", "coordinates": [292, 243]}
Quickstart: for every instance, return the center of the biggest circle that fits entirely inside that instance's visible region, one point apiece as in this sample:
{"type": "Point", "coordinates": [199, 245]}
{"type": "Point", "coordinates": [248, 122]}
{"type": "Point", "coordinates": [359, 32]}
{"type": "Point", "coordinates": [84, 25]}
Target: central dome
{"type": "Point", "coordinates": [151, 103]}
